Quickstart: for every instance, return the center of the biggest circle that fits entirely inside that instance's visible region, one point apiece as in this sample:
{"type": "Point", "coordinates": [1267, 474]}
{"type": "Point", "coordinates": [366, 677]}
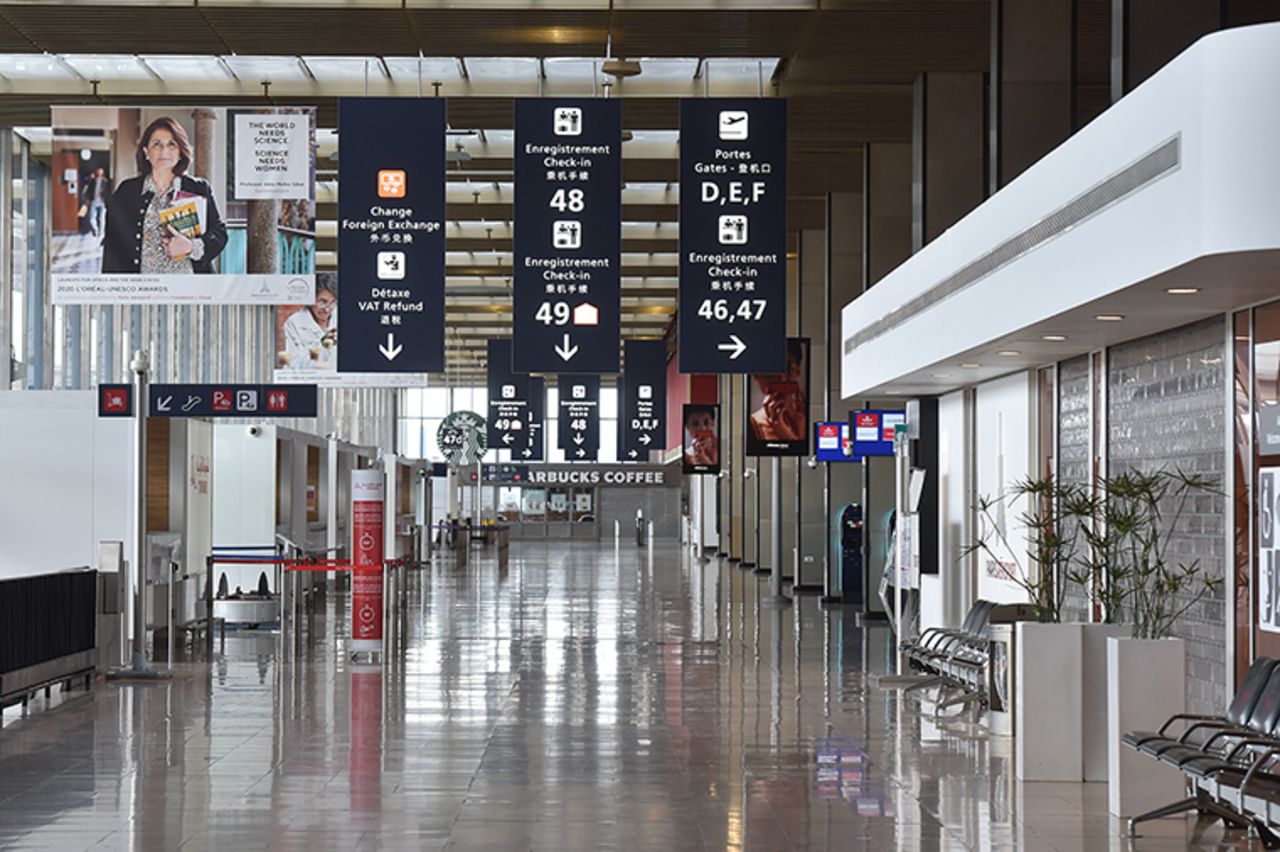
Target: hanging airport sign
{"type": "Point", "coordinates": [115, 400]}
{"type": "Point", "coordinates": [579, 402]}
{"type": "Point", "coordinates": [504, 474]}
{"type": "Point", "coordinates": [194, 168]}
{"type": "Point", "coordinates": [534, 449]}
{"type": "Point", "coordinates": [508, 401]}
{"type": "Point", "coordinates": [568, 235]}
{"type": "Point", "coordinates": [733, 235]}
{"type": "Point", "coordinates": [461, 437]}
{"type": "Point", "coordinates": [643, 399]}
{"type": "Point", "coordinates": [390, 235]}
{"type": "Point", "coordinates": [223, 400]}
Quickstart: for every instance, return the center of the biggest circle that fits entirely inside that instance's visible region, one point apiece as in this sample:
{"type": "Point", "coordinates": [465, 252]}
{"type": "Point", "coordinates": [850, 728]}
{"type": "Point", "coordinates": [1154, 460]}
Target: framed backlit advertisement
{"type": "Point", "coordinates": [701, 441]}
{"type": "Point", "coordinates": [778, 406]}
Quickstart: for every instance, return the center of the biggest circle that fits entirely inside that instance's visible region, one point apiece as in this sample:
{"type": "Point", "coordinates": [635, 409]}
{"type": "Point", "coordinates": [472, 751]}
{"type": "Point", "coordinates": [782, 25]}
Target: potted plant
{"type": "Point", "coordinates": [1146, 672]}
{"type": "Point", "coordinates": [1035, 556]}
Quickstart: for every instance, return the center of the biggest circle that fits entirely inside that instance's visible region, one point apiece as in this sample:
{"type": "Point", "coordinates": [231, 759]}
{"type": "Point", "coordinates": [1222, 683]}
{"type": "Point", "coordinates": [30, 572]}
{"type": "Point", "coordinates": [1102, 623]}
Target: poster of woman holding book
{"type": "Point", "coordinates": [163, 221]}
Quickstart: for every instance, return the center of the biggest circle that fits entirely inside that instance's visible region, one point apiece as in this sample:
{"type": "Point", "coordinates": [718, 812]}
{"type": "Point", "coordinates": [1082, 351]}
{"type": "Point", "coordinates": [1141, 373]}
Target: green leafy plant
{"type": "Point", "coordinates": [1050, 546]}
{"type": "Point", "coordinates": [1129, 527]}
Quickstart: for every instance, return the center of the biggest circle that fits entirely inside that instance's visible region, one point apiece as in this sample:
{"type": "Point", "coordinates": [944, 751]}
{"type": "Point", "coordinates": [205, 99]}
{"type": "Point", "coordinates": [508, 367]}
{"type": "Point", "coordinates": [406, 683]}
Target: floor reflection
{"type": "Point", "coordinates": [588, 698]}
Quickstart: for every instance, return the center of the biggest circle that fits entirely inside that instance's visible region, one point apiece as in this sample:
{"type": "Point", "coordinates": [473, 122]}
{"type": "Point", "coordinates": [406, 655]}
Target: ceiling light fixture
{"type": "Point", "coordinates": [616, 67]}
{"type": "Point", "coordinates": [942, 375]}
{"type": "Point", "coordinates": [1182, 291]}
{"type": "Point", "coordinates": [970, 365]}
{"type": "Point", "coordinates": [1009, 352]}
{"type": "Point", "coordinates": [1109, 317]}
{"type": "Point", "coordinates": [1054, 338]}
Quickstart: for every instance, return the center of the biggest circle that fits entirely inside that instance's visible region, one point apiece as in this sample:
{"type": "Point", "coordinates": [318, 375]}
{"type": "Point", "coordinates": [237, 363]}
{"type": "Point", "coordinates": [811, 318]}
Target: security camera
{"type": "Point", "coordinates": [254, 431]}
{"type": "Point", "coordinates": [812, 462]}
{"type": "Point", "coordinates": [747, 474]}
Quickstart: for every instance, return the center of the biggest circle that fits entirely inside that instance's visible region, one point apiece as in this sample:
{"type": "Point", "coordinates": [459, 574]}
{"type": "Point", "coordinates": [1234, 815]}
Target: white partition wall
{"type": "Point", "coordinates": [945, 597]}
{"type": "Point", "coordinates": [1004, 443]}
{"type": "Point", "coordinates": [244, 496]}
{"type": "Point", "coordinates": [58, 502]}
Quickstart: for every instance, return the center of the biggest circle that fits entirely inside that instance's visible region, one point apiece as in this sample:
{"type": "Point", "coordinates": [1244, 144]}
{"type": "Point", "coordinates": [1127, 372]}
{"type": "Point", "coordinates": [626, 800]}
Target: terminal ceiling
{"type": "Point", "coordinates": [848, 69]}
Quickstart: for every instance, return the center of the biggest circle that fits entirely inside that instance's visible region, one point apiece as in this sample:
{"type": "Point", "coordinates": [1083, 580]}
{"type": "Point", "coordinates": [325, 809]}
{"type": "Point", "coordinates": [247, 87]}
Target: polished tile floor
{"type": "Point", "coordinates": [576, 701]}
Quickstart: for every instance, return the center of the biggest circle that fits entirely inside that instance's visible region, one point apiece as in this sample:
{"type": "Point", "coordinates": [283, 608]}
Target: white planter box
{"type": "Point", "coordinates": [1047, 703]}
{"type": "Point", "coordinates": [1146, 684]}
{"type": "Point", "coordinates": [1093, 695]}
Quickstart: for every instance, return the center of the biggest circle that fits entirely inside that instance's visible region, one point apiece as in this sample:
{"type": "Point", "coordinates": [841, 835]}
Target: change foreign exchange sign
{"type": "Point", "coordinates": [733, 235]}
{"type": "Point", "coordinates": [568, 239]}
{"type": "Point", "coordinates": [390, 235]}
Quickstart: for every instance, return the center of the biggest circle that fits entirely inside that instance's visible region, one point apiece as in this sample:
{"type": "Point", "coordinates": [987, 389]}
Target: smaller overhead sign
{"type": "Point", "coordinates": [579, 402]}
{"type": "Point", "coordinates": [508, 401]}
{"type": "Point", "coordinates": [225, 400]}
{"type": "Point", "coordinates": [461, 437]}
{"type": "Point", "coordinates": [643, 399]}
{"type": "Point", "coordinates": [534, 449]}
{"type": "Point", "coordinates": [873, 431]}
{"type": "Point", "coordinates": [115, 400]}
{"type": "Point", "coordinates": [504, 474]}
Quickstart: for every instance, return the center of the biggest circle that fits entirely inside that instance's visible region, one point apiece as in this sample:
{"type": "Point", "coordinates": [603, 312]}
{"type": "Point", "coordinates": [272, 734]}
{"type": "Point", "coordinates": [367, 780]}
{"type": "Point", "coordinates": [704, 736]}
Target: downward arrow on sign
{"type": "Point", "coordinates": [578, 439]}
{"type": "Point", "coordinates": [567, 350]}
{"type": "Point", "coordinates": [390, 350]}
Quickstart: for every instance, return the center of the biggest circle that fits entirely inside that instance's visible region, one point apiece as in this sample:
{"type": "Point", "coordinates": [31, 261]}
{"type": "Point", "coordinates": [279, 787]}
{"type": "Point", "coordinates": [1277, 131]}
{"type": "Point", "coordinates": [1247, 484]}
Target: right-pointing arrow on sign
{"type": "Point", "coordinates": [390, 350]}
{"type": "Point", "coordinates": [734, 346]}
{"type": "Point", "coordinates": [646, 439]}
{"type": "Point", "coordinates": [566, 350]}
{"type": "Point", "coordinates": [633, 454]}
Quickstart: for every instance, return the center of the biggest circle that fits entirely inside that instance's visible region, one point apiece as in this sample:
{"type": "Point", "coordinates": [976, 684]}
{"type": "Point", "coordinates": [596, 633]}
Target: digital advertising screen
{"type": "Point", "coordinates": [701, 442]}
{"type": "Point", "coordinates": [778, 406]}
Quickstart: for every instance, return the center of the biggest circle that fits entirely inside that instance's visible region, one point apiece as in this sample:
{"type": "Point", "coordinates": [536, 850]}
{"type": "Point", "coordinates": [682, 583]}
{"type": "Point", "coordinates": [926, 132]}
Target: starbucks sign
{"type": "Point", "coordinates": [461, 437]}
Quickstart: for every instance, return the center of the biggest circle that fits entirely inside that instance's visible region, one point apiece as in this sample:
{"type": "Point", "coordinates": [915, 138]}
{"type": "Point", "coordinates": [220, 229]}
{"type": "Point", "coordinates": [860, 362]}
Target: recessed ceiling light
{"type": "Point", "coordinates": [1181, 291]}
{"type": "Point", "coordinates": [1054, 338]}
{"type": "Point", "coordinates": [1109, 317]}
{"type": "Point", "coordinates": [970, 366]}
{"type": "Point", "coordinates": [942, 375]}
{"type": "Point", "coordinates": [1009, 352]}
{"type": "Point", "coordinates": [893, 393]}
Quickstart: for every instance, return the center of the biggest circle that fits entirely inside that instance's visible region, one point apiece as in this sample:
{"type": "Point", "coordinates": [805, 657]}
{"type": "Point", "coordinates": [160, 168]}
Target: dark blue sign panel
{"type": "Point", "coordinates": [579, 401]}
{"type": "Point", "coordinates": [534, 449]}
{"type": "Point", "coordinates": [733, 235]}
{"type": "Point", "coordinates": [391, 235]}
{"type": "Point", "coordinates": [115, 400]}
{"type": "Point", "coordinates": [568, 235]}
{"type": "Point", "coordinates": [873, 431]}
{"type": "Point", "coordinates": [833, 442]}
{"type": "Point", "coordinates": [642, 399]}
{"type": "Point", "coordinates": [226, 400]}
{"type": "Point", "coordinates": [509, 394]}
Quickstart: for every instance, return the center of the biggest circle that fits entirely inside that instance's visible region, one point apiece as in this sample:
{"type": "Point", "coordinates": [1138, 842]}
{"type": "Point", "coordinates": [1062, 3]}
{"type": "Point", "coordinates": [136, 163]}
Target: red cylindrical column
{"type": "Point", "coordinates": [367, 488]}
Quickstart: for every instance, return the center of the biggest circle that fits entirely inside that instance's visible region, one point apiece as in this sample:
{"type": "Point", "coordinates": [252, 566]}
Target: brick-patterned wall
{"type": "Point", "coordinates": [1073, 456]}
{"type": "Point", "coordinates": [1166, 408]}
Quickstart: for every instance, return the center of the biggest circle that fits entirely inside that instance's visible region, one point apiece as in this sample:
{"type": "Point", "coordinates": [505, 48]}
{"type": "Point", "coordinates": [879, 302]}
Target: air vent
{"type": "Point", "coordinates": [1149, 168]}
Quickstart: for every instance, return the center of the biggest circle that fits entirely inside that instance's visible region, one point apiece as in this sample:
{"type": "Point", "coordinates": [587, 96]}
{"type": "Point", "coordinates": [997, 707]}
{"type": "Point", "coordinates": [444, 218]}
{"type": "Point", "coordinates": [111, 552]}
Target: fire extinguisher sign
{"type": "Point", "coordinates": [366, 560]}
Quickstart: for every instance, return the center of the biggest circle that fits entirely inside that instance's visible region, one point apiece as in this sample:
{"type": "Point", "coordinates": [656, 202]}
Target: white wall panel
{"type": "Point", "coordinates": [244, 496]}
{"type": "Point", "coordinates": [64, 481]}
{"type": "Point", "coordinates": [1004, 446]}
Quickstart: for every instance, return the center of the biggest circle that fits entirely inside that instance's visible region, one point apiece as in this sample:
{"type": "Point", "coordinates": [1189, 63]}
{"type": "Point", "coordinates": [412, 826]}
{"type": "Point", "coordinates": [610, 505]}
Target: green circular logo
{"type": "Point", "coordinates": [461, 437]}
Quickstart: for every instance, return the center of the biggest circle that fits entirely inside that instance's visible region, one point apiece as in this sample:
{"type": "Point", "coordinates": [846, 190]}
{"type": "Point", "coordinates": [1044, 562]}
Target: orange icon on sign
{"type": "Point", "coordinates": [391, 183]}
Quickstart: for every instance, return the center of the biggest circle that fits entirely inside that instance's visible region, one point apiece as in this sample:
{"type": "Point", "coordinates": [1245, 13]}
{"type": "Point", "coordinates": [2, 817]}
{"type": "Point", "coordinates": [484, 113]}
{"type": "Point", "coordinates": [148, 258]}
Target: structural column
{"type": "Point", "coordinates": [1031, 100]}
{"type": "Point", "coordinates": [947, 153]}
{"type": "Point", "coordinates": [886, 198]}
{"type": "Point", "coordinates": [1146, 34]}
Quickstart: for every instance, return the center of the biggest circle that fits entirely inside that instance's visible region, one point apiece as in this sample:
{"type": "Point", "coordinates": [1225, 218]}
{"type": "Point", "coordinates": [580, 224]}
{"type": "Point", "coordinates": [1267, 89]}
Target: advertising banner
{"type": "Point", "coordinates": [1268, 550]}
{"type": "Point", "coordinates": [183, 205]}
{"type": "Point", "coordinates": [733, 235]}
{"type": "Point", "coordinates": [367, 494]}
{"type": "Point", "coordinates": [642, 399]}
{"type": "Point", "coordinates": [307, 344]}
{"type": "Point", "coordinates": [778, 406]}
{"type": "Point", "coordinates": [701, 451]}
{"type": "Point", "coordinates": [567, 296]}
{"type": "Point", "coordinates": [579, 401]}
{"type": "Point", "coordinates": [391, 234]}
